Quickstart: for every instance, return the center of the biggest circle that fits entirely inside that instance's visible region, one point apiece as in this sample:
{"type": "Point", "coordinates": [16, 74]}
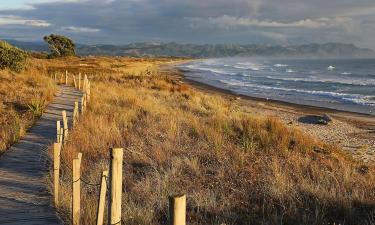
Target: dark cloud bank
{"type": "Point", "coordinates": [196, 21]}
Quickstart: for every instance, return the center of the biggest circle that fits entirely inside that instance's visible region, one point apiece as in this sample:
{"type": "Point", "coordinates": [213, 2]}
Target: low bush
{"type": "Point", "coordinates": [11, 57]}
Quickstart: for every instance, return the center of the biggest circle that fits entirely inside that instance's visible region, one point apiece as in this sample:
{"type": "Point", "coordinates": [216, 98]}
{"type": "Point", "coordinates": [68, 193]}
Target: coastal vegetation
{"type": "Point", "coordinates": [11, 57]}
{"type": "Point", "coordinates": [235, 167]}
{"type": "Point", "coordinates": [22, 99]}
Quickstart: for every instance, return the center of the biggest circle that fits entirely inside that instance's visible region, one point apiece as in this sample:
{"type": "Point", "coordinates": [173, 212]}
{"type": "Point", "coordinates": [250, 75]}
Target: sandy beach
{"type": "Point", "coordinates": [353, 132]}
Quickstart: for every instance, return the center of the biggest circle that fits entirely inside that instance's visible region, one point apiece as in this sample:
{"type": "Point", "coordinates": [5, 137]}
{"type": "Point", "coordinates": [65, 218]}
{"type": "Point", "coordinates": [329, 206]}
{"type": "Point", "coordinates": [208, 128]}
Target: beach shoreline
{"type": "Point", "coordinates": [354, 132]}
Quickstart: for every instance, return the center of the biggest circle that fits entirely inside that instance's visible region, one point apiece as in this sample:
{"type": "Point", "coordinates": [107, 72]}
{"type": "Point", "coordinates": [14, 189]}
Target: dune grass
{"type": "Point", "coordinates": [235, 167]}
{"type": "Point", "coordinates": [22, 99]}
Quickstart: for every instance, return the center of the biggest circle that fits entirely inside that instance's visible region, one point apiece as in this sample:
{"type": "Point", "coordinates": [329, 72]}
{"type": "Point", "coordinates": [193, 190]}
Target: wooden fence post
{"type": "Point", "coordinates": [75, 113]}
{"type": "Point", "coordinates": [177, 210]}
{"type": "Point", "coordinates": [79, 157]}
{"type": "Point", "coordinates": [85, 84]}
{"type": "Point", "coordinates": [83, 103]}
{"type": "Point", "coordinates": [55, 77]}
{"type": "Point", "coordinates": [66, 77]}
{"type": "Point", "coordinates": [61, 135]}
{"type": "Point", "coordinates": [58, 129]}
{"type": "Point", "coordinates": [102, 195]}
{"type": "Point", "coordinates": [79, 81]}
{"type": "Point", "coordinates": [56, 171]}
{"type": "Point", "coordinates": [85, 100]}
{"type": "Point", "coordinates": [74, 81]}
{"type": "Point", "coordinates": [76, 201]}
{"type": "Point", "coordinates": [115, 182]}
{"type": "Point", "coordinates": [88, 90]}
{"type": "Point", "coordinates": [65, 123]}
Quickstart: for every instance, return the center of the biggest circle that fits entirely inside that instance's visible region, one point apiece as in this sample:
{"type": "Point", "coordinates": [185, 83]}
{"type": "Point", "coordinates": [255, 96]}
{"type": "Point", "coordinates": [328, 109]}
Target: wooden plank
{"type": "Point", "coordinates": [24, 193]}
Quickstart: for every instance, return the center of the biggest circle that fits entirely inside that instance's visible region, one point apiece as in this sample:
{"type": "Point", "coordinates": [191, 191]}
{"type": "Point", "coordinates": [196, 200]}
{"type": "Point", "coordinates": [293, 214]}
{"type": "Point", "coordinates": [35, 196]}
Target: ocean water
{"type": "Point", "coordinates": [344, 84]}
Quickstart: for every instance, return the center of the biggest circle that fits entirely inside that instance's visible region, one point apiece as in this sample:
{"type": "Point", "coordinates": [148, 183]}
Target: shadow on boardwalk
{"type": "Point", "coordinates": [23, 194]}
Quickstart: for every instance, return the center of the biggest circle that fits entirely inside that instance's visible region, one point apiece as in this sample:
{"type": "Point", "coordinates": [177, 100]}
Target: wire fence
{"type": "Point", "coordinates": [110, 184]}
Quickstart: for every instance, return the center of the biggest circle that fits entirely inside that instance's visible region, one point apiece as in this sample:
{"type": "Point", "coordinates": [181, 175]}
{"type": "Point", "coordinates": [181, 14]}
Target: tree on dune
{"type": "Point", "coordinates": [60, 46]}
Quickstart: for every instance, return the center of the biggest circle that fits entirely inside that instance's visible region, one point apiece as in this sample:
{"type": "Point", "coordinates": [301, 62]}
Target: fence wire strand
{"type": "Point", "coordinates": [66, 170]}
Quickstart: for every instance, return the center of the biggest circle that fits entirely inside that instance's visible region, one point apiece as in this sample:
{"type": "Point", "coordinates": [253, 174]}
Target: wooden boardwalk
{"type": "Point", "coordinates": [24, 198]}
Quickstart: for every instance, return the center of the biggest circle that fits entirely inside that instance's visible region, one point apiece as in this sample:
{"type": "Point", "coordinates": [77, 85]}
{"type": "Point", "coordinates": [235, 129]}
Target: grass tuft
{"type": "Point", "coordinates": [37, 107]}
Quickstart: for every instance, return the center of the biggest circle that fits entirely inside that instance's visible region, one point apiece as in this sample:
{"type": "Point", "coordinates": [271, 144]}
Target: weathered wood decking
{"type": "Point", "coordinates": [23, 190]}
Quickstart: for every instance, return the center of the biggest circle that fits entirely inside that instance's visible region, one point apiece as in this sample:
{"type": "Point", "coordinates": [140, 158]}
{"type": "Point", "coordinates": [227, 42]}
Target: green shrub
{"type": "Point", "coordinates": [37, 107]}
{"type": "Point", "coordinates": [60, 46]}
{"type": "Point", "coordinates": [11, 57]}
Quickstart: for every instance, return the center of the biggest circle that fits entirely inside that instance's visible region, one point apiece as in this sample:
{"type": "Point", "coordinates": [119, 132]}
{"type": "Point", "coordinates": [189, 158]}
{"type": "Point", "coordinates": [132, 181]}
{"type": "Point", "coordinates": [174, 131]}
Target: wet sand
{"type": "Point", "coordinates": [353, 132]}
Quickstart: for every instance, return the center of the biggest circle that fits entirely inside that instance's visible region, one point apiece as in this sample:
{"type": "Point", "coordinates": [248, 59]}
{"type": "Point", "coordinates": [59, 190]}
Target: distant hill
{"type": "Point", "coordinates": [29, 46]}
{"type": "Point", "coordinates": [329, 50]}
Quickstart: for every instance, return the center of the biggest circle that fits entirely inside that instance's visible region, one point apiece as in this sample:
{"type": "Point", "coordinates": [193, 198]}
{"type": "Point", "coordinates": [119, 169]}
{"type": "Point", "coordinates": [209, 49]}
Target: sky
{"type": "Point", "coordinates": [274, 22]}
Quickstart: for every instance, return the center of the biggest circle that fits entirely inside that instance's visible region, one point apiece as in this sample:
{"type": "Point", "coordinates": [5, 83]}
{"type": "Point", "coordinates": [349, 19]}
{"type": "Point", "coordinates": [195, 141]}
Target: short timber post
{"type": "Point", "coordinates": [74, 81]}
{"type": "Point", "coordinates": [75, 113]}
{"type": "Point", "coordinates": [55, 77]}
{"type": "Point", "coordinates": [79, 81]}
{"type": "Point", "coordinates": [177, 210]}
{"type": "Point", "coordinates": [101, 204]}
{"type": "Point", "coordinates": [58, 129]}
{"type": "Point", "coordinates": [83, 103]}
{"type": "Point", "coordinates": [85, 100]}
{"type": "Point", "coordinates": [76, 201]}
{"type": "Point", "coordinates": [65, 123]}
{"type": "Point", "coordinates": [85, 84]}
{"type": "Point", "coordinates": [115, 182]}
{"type": "Point", "coordinates": [88, 90]}
{"type": "Point", "coordinates": [56, 171]}
{"type": "Point", "coordinates": [61, 135]}
{"type": "Point", "coordinates": [79, 157]}
{"type": "Point", "coordinates": [66, 77]}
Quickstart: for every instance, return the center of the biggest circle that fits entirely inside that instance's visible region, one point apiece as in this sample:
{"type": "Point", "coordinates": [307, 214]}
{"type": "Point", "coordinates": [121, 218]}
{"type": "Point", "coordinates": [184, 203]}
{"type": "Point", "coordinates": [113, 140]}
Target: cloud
{"type": "Point", "coordinates": [226, 21]}
{"type": "Point", "coordinates": [80, 29]}
{"type": "Point", "coordinates": [196, 21]}
{"type": "Point", "coordinates": [16, 20]}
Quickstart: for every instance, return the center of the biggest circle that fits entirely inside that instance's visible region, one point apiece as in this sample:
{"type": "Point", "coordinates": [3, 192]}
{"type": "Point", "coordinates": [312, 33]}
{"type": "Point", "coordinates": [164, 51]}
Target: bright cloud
{"type": "Point", "coordinates": [16, 20]}
{"type": "Point", "coordinates": [80, 29]}
{"type": "Point", "coordinates": [226, 21]}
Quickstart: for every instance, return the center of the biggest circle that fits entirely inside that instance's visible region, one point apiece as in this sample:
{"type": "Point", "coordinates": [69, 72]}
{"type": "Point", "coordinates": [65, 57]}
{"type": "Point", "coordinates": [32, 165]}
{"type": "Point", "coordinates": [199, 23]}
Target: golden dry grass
{"type": "Point", "coordinates": [236, 168]}
{"type": "Point", "coordinates": [17, 92]}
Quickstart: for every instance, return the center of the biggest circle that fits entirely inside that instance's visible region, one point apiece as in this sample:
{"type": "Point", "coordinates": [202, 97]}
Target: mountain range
{"type": "Point", "coordinates": [328, 50]}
